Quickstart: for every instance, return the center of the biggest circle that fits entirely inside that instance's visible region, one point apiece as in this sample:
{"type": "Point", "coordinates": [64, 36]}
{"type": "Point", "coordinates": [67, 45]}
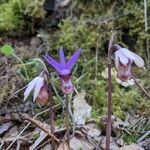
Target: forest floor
{"type": "Point", "coordinates": [19, 120]}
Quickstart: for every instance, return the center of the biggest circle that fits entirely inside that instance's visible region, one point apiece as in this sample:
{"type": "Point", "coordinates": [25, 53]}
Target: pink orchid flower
{"type": "Point", "coordinates": [124, 59]}
{"type": "Point", "coordinates": [35, 85]}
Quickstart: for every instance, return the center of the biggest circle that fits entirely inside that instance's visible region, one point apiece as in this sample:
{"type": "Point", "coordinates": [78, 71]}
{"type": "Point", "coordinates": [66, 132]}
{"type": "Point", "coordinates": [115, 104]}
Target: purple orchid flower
{"type": "Point", "coordinates": [124, 59]}
{"type": "Point", "coordinates": [64, 69]}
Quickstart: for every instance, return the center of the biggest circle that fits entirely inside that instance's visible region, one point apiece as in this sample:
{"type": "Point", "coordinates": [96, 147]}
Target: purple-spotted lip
{"type": "Point", "coordinates": [67, 86]}
{"type": "Point", "coordinates": [124, 72]}
{"type": "Point", "coordinates": [124, 78]}
{"type": "Point", "coordinates": [67, 90]}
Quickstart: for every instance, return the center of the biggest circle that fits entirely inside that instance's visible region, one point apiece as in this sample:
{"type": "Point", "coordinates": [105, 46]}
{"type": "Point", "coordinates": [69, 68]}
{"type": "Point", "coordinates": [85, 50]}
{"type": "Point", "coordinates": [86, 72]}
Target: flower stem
{"type": "Point", "coordinates": [52, 120]}
{"type": "Point", "coordinates": [24, 67]}
{"type": "Point", "coordinates": [52, 124]}
{"type": "Point", "coordinates": [142, 88]}
{"type": "Point", "coordinates": [70, 121]}
{"type": "Point", "coordinates": [72, 117]}
{"type": "Point", "coordinates": [39, 60]}
{"type": "Point", "coordinates": [108, 129]}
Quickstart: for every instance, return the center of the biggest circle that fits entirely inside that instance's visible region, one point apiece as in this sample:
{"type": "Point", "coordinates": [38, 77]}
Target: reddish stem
{"type": "Point", "coordinates": [108, 130]}
{"type": "Point", "coordinates": [52, 124]}
{"type": "Point", "coordinates": [50, 98]}
{"type": "Point", "coordinates": [52, 121]}
{"type": "Point", "coordinates": [67, 122]}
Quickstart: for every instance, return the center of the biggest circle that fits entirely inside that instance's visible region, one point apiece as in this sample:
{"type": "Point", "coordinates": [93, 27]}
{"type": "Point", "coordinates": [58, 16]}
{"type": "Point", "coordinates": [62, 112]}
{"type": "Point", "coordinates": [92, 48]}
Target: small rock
{"type": "Point", "coordinates": [35, 42]}
{"type": "Point", "coordinates": [113, 145]}
{"type": "Point", "coordinates": [92, 129]}
{"type": "Point", "coordinates": [77, 143]}
{"type": "Point", "coordinates": [65, 3]}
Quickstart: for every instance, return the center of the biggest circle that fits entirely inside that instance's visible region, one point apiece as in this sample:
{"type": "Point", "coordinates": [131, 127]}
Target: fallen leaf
{"type": "Point", "coordinates": [39, 140]}
{"type": "Point", "coordinates": [5, 126]}
{"type": "Point", "coordinates": [131, 147]}
{"type": "Point", "coordinates": [47, 147]}
{"type": "Point", "coordinates": [92, 129]}
{"type": "Point", "coordinates": [82, 110]}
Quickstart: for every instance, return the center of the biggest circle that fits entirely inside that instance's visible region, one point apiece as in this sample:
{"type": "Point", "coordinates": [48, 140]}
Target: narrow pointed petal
{"type": "Point", "coordinates": [136, 58]}
{"type": "Point", "coordinates": [73, 59]}
{"type": "Point", "coordinates": [38, 87]}
{"type": "Point", "coordinates": [53, 62]}
{"type": "Point", "coordinates": [122, 57]}
{"type": "Point", "coordinates": [30, 87]}
{"type": "Point", "coordinates": [62, 56]}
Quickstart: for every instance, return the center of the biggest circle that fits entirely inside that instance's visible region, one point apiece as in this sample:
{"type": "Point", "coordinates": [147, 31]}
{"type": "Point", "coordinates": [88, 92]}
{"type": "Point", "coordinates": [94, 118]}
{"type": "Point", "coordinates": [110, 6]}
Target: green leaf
{"type": "Point", "coordinates": [7, 50]}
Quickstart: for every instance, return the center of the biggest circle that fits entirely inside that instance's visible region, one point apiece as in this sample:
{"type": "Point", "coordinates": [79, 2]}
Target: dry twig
{"type": "Point", "coordinates": [145, 92]}
{"type": "Point", "coordinates": [39, 125]}
{"type": "Point", "coordinates": [27, 127]}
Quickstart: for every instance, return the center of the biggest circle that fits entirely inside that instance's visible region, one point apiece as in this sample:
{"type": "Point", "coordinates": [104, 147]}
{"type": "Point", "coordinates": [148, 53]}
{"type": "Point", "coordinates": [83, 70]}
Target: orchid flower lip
{"type": "Point", "coordinates": [67, 86]}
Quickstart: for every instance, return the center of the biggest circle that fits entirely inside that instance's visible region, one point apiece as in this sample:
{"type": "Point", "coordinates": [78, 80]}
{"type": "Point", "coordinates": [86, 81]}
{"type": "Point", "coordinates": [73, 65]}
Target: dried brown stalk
{"type": "Point", "coordinates": [108, 130]}
{"type": "Point", "coordinates": [18, 136]}
{"type": "Point", "coordinates": [40, 125]}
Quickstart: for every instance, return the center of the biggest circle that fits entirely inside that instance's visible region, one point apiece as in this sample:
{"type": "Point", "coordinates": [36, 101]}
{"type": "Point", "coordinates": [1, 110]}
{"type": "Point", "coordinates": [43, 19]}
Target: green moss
{"type": "Point", "coordinates": [13, 14]}
{"type": "Point", "coordinates": [35, 136]}
{"type": "Point", "coordinates": [73, 35]}
{"type": "Point", "coordinates": [95, 115]}
{"type": "Point", "coordinates": [8, 19]}
{"type": "Point", "coordinates": [59, 121]}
